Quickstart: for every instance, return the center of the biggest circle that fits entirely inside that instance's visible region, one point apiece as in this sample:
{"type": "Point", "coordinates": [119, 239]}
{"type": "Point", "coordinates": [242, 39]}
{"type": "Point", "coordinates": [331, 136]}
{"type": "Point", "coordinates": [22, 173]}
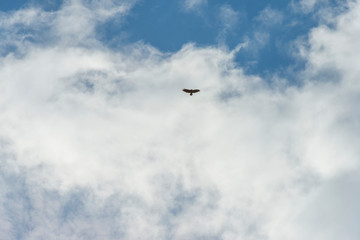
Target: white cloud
{"type": "Point", "coordinates": [260, 36]}
{"type": "Point", "coordinates": [228, 19]}
{"type": "Point", "coordinates": [335, 47]}
{"type": "Point", "coordinates": [194, 4]}
{"type": "Point", "coordinates": [102, 144]}
{"type": "Point", "coordinates": [228, 16]}
{"type": "Point", "coordinates": [73, 24]}
{"type": "Point", "coordinates": [338, 213]}
{"type": "Point", "coordinates": [76, 21]}
{"type": "Point", "coordinates": [306, 6]}
{"type": "Point", "coordinates": [269, 17]}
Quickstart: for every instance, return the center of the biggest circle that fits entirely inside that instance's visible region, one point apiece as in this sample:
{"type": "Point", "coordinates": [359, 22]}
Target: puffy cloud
{"type": "Point", "coordinates": [333, 47]}
{"type": "Point", "coordinates": [339, 213]}
{"type": "Point", "coordinates": [99, 143]}
{"type": "Point", "coordinates": [77, 21]}
{"type": "Point", "coordinates": [73, 24]}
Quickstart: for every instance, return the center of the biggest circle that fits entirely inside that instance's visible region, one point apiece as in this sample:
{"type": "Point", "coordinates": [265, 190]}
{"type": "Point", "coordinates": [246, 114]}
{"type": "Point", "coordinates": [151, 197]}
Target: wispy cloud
{"type": "Point", "coordinates": [270, 17]}
{"type": "Point", "coordinates": [74, 23]}
{"type": "Point", "coordinates": [191, 5]}
{"type": "Point", "coordinates": [228, 19]}
{"type": "Point", "coordinates": [306, 6]}
{"type": "Point", "coordinates": [265, 21]}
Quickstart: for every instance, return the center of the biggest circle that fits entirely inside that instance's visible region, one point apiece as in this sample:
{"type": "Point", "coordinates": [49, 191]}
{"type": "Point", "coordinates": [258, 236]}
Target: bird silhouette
{"type": "Point", "coordinates": [191, 91]}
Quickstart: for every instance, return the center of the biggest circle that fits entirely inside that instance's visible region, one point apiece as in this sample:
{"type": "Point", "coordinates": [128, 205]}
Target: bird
{"type": "Point", "coordinates": [191, 91]}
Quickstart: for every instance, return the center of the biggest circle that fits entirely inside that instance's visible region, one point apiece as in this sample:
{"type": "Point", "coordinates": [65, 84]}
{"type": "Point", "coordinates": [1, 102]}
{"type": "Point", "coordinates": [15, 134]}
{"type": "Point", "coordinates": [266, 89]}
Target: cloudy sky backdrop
{"type": "Point", "coordinates": [97, 140]}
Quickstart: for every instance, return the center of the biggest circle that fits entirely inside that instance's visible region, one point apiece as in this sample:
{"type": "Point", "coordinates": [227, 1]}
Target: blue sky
{"type": "Point", "coordinates": [17, 4]}
{"type": "Point", "coordinates": [98, 141]}
{"type": "Point", "coordinates": [168, 25]}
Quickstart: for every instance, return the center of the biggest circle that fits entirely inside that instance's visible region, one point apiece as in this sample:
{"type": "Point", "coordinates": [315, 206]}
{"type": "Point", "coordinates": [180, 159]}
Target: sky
{"type": "Point", "coordinates": [97, 140]}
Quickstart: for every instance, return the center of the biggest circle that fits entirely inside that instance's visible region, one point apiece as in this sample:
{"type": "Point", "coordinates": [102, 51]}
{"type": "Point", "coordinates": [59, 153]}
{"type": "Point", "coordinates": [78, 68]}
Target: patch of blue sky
{"type": "Point", "coordinates": [47, 5]}
{"type": "Point", "coordinates": [278, 54]}
{"type": "Point", "coordinates": [163, 24]}
{"type": "Point", "coordinates": [12, 5]}
{"type": "Point", "coordinates": [16, 202]}
{"type": "Point", "coordinates": [167, 25]}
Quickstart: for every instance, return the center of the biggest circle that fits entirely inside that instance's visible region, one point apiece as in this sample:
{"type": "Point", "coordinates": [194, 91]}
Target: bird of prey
{"type": "Point", "coordinates": [191, 91]}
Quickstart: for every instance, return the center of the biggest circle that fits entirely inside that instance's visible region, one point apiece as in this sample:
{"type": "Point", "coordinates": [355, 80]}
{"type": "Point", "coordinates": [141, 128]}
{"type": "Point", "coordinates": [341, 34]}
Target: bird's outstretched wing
{"type": "Point", "coordinates": [191, 91]}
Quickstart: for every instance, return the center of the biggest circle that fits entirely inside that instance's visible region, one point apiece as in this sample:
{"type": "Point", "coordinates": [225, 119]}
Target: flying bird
{"type": "Point", "coordinates": [191, 91]}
